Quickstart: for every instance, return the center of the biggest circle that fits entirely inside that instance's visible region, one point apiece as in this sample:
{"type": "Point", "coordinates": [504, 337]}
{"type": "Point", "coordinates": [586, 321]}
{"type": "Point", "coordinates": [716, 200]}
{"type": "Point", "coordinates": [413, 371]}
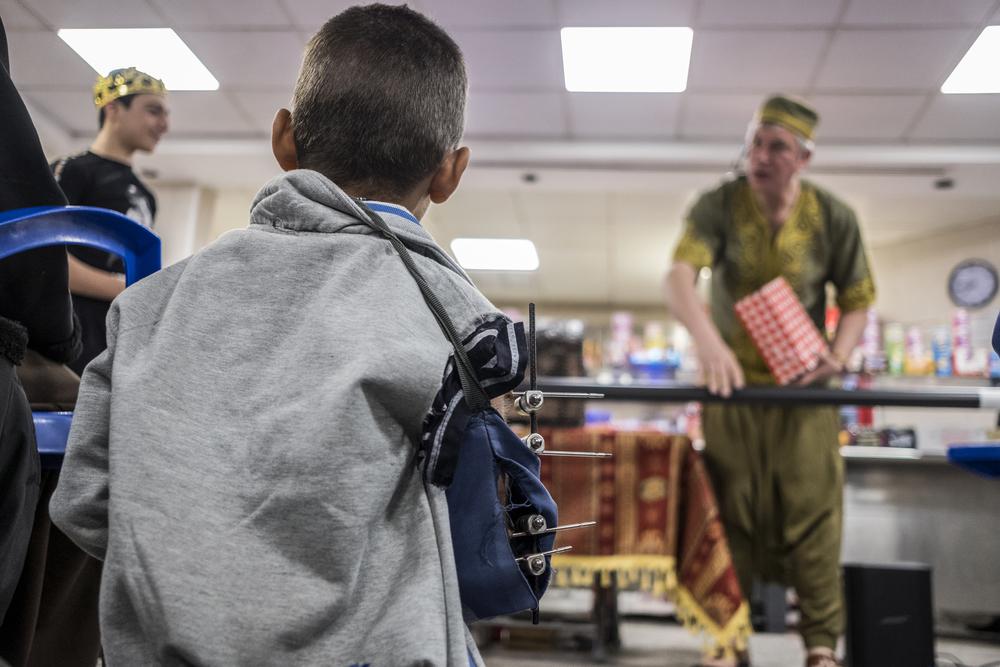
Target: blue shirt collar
{"type": "Point", "coordinates": [394, 209]}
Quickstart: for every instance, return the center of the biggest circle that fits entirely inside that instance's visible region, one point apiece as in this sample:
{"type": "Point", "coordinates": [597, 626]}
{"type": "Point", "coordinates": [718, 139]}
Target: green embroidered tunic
{"type": "Point", "coordinates": [820, 243]}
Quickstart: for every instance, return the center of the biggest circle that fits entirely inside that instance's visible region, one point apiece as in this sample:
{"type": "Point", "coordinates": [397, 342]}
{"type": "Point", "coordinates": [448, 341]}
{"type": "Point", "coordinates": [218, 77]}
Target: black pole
{"type": "Point", "coordinates": [667, 392]}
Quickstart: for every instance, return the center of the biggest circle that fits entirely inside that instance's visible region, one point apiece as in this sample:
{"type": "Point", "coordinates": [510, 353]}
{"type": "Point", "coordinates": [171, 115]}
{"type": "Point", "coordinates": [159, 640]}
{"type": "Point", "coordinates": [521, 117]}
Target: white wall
{"type": "Point", "coordinates": [177, 218]}
{"type": "Point", "coordinates": [911, 276]}
{"type": "Point", "coordinates": [230, 210]}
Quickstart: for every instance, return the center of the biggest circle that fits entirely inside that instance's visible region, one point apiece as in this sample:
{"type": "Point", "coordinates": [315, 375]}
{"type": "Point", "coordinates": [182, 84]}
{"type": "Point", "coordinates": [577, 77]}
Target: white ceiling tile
{"type": "Point", "coordinates": [960, 117]}
{"type": "Point", "coordinates": [40, 59]}
{"type": "Point", "coordinates": [489, 13]}
{"type": "Point", "coordinates": [736, 60]}
{"type": "Point", "coordinates": [311, 14]}
{"type": "Point", "coordinates": [712, 116]}
{"type": "Point", "coordinates": [892, 59]}
{"type": "Point", "coordinates": [515, 114]}
{"type": "Point", "coordinates": [260, 106]}
{"type": "Point", "coordinates": [512, 59]}
{"type": "Point", "coordinates": [16, 16]}
{"type": "Point", "coordinates": [882, 117]}
{"type": "Point", "coordinates": [73, 110]}
{"type": "Point", "coordinates": [249, 58]}
{"type": "Point", "coordinates": [769, 13]}
{"type": "Point", "coordinates": [202, 15]}
{"type": "Point", "coordinates": [631, 14]}
{"type": "Point", "coordinates": [97, 14]}
{"type": "Point", "coordinates": [916, 12]}
{"type": "Point", "coordinates": [204, 113]}
{"type": "Point", "coordinates": [623, 115]}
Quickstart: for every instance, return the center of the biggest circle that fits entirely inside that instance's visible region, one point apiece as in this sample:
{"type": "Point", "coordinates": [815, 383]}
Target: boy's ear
{"type": "Point", "coordinates": [283, 140]}
{"type": "Point", "coordinates": [445, 180]}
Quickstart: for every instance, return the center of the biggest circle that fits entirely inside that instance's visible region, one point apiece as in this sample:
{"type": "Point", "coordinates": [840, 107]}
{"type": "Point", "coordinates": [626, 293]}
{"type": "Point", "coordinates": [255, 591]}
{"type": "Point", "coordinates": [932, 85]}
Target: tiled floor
{"type": "Point", "coordinates": [664, 644]}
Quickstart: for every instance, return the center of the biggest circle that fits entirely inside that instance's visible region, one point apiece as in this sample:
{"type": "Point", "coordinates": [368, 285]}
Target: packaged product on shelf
{"type": "Point", "coordinates": [871, 344]}
{"type": "Point", "coordinates": [655, 360]}
{"type": "Point", "coordinates": [901, 438]}
{"type": "Point", "coordinates": [941, 351]}
{"type": "Point", "coordinates": [966, 361]}
{"type": "Point", "coordinates": [894, 354]}
{"type": "Point", "coordinates": [918, 361]}
{"type": "Point", "coordinates": [620, 340]}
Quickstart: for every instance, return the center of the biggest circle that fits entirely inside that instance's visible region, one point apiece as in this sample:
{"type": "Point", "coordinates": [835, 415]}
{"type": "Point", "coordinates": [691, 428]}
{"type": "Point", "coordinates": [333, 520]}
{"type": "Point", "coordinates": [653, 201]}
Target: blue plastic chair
{"type": "Point", "coordinates": [29, 228]}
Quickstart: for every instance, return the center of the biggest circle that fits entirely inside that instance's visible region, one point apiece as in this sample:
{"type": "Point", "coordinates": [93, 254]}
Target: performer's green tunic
{"type": "Point", "coordinates": [777, 471]}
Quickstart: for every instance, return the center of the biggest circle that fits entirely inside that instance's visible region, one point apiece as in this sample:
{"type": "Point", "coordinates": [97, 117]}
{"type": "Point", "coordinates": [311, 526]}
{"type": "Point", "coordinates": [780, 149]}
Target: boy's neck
{"type": "Point", "coordinates": [413, 202]}
{"type": "Point", "coordinates": [108, 146]}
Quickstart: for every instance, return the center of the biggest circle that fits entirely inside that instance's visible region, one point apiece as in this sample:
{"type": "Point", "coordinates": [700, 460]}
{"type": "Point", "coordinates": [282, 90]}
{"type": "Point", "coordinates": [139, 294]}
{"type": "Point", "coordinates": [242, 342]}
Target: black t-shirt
{"type": "Point", "coordinates": [88, 179]}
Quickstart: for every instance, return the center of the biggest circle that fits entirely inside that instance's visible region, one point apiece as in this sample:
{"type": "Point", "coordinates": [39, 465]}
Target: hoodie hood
{"type": "Point", "coordinates": [306, 201]}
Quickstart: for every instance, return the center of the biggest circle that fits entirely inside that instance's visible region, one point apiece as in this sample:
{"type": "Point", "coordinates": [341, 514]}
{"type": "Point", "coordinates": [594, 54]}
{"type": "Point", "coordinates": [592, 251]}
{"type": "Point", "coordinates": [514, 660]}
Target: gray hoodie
{"type": "Point", "coordinates": [243, 455]}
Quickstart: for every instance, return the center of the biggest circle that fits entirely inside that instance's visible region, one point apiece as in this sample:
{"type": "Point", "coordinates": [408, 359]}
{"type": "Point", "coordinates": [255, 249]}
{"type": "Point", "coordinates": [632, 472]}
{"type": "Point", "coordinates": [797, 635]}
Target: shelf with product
{"type": "Point", "coordinates": [632, 348]}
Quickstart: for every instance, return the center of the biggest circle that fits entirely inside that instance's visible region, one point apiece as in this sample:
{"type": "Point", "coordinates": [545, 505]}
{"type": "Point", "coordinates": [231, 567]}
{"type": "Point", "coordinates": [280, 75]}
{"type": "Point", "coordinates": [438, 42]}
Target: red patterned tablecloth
{"type": "Point", "coordinates": [658, 525]}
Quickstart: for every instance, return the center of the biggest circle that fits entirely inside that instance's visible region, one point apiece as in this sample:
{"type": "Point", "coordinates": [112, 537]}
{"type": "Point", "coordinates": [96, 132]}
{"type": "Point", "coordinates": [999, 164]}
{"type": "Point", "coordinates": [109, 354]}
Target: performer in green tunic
{"type": "Point", "coordinates": [777, 471]}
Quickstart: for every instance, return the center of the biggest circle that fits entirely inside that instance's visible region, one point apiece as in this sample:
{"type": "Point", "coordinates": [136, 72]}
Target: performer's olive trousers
{"type": "Point", "coordinates": [779, 477]}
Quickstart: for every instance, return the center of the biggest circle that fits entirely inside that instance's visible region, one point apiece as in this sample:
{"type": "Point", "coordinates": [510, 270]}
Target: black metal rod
{"type": "Point", "coordinates": [669, 392]}
{"type": "Point", "coordinates": [532, 364]}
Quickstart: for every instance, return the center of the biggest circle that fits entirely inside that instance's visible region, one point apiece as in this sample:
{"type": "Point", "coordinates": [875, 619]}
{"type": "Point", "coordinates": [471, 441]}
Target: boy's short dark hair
{"type": "Point", "coordinates": [125, 101]}
{"type": "Point", "coordinates": [380, 99]}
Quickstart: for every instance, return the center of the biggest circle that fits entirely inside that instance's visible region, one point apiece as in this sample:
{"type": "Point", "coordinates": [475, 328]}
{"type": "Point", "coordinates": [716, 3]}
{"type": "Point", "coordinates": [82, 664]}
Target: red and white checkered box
{"type": "Point", "coordinates": [782, 330]}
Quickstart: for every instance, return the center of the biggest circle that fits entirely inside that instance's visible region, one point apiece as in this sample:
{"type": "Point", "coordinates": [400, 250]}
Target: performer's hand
{"type": "Point", "coordinates": [829, 366]}
{"type": "Point", "coordinates": [720, 371]}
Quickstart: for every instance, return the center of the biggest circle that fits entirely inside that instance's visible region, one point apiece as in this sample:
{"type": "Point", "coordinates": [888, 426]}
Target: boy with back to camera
{"type": "Point", "coordinates": [244, 456]}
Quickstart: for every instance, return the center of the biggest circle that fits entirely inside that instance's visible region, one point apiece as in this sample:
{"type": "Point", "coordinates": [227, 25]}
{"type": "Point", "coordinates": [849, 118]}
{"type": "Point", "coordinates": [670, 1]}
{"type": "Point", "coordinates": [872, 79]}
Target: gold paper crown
{"type": "Point", "coordinates": [125, 81]}
{"type": "Point", "coordinates": [790, 113]}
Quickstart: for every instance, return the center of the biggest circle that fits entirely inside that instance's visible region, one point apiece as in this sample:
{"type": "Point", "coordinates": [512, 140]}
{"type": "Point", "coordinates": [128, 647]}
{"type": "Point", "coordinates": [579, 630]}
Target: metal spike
{"type": "Point", "coordinates": [568, 526]}
{"type": "Point", "coordinates": [557, 550]}
{"type": "Point", "coordinates": [589, 455]}
{"type": "Point", "coordinates": [564, 394]}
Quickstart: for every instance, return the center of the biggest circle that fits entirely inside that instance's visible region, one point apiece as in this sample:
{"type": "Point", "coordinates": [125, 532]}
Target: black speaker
{"type": "Point", "coordinates": [890, 618]}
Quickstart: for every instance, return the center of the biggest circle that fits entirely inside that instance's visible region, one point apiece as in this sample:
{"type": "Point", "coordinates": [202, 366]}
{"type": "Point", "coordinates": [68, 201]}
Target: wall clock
{"type": "Point", "coordinates": [973, 283]}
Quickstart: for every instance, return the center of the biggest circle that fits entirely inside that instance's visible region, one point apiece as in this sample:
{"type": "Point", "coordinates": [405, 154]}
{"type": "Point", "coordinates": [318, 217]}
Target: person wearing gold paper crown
{"type": "Point", "coordinates": [777, 471]}
{"type": "Point", "coordinates": [132, 116]}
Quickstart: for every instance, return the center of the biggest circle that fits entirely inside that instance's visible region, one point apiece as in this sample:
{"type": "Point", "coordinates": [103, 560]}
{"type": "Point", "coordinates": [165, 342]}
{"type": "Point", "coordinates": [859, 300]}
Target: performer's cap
{"type": "Point", "coordinates": [789, 113]}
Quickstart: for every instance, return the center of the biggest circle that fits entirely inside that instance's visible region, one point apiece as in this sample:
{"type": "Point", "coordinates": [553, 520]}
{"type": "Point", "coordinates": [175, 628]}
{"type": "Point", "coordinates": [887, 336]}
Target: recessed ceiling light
{"type": "Point", "coordinates": [626, 60]}
{"type": "Point", "coordinates": [978, 71]}
{"type": "Point", "coordinates": [156, 51]}
{"type": "Point", "coordinates": [496, 254]}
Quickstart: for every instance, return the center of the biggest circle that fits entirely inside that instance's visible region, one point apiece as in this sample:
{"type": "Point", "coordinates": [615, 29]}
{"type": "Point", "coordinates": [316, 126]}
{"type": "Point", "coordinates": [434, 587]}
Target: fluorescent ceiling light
{"type": "Point", "coordinates": [156, 51]}
{"type": "Point", "coordinates": [979, 70]}
{"type": "Point", "coordinates": [496, 254]}
{"type": "Point", "coordinates": [626, 60]}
